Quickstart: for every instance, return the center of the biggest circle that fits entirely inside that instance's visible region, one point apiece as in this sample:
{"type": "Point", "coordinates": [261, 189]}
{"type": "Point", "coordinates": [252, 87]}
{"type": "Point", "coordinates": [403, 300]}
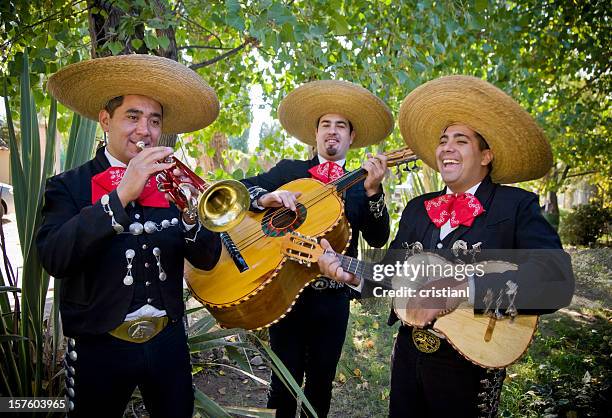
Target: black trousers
{"type": "Point", "coordinates": [309, 342]}
{"type": "Point", "coordinates": [107, 370]}
{"type": "Point", "coordinates": [440, 384]}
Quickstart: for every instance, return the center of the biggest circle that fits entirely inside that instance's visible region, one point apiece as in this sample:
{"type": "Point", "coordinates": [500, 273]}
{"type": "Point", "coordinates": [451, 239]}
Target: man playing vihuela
{"type": "Point", "coordinates": [477, 137]}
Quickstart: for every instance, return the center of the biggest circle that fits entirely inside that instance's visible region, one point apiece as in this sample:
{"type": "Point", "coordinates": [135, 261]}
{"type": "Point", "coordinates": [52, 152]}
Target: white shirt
{"type": "Point", "coordinates": [323, 160]}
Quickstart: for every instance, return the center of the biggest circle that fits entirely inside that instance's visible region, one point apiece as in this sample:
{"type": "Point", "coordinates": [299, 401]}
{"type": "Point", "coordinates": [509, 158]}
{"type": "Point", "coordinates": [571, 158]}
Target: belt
{"type": "Point", "coordinates": [140, 330]}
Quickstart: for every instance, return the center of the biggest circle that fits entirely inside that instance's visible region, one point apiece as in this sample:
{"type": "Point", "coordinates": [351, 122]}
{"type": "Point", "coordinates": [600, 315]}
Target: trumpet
{"type": "Point", "coordinates": [219, 205]}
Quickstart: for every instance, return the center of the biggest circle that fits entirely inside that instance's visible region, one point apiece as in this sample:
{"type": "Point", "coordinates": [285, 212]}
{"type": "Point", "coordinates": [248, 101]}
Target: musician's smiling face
{"type": "Point", "coordinates": [462, 158]}
{"type": "Point", "coordinates": [137, 118]}
{"type": "Point", "coordinates": [334, 136]}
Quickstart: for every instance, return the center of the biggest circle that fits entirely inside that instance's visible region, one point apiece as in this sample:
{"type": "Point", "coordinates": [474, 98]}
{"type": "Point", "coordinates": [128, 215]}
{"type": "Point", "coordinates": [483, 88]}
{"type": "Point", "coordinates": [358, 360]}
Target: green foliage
{"type": "Point", "coordinates": [204, 335]}
{"type": "Point", "coordinates": [586, 224]}
{"type": "Point", "coordinates": [24, 334]}
{"type": "Point", "coordinates": [552, 56]}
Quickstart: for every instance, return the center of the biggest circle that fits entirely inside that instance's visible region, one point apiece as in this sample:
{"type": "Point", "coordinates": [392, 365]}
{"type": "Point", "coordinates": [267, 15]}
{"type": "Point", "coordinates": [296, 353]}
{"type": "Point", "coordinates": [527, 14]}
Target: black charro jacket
{"type": "Point", "coordinates": [512, 221]}
{"type": "Point", "coordinates": [77, 244]}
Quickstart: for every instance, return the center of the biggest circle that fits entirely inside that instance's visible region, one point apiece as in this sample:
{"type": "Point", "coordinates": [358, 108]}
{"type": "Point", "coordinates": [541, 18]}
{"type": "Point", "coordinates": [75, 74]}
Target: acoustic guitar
{"type": "Point", "coordinates": [254, 285]}
{"type": "Point", "coordinates": [482, 339]}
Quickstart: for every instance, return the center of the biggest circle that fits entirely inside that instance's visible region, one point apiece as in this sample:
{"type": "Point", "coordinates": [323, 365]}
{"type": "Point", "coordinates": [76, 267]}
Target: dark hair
{"type": "Point", "coordinates": [483, 145]}
{"type": "Point", "coordinates": [349, 122]}
{"type": "Point", "coordinates": [113, 104]}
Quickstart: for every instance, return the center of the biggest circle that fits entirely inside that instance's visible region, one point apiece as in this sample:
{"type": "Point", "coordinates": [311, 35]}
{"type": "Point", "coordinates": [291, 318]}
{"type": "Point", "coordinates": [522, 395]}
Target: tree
{"type": "Point", "coordinates": [552, 55]}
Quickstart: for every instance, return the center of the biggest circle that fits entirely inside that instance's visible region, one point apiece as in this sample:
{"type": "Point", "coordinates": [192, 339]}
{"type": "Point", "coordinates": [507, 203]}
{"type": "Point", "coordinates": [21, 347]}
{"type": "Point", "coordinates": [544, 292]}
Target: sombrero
{"type": "Point", "coordinates": [520, 150]}
{"type": "Point", "coordinates": [301, 109]}
{"type": "Point", "coordinates": [188, 102]}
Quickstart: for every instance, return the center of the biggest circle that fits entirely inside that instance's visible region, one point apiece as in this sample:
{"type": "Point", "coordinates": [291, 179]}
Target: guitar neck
{"type": "Point", "coordinates": [350, 179]}
{"type": "Point", "coordinates": [352, 265]}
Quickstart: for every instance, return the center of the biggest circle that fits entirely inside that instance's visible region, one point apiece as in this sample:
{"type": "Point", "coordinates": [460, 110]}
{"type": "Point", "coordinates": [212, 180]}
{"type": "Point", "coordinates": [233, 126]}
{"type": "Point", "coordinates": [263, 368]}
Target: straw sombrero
{"type": "Point", "coordinates": [371, 118]}
{"type": "Point", "coordinates": [188, 102]}
{"type": "Point", "coordinates": [520, 150]}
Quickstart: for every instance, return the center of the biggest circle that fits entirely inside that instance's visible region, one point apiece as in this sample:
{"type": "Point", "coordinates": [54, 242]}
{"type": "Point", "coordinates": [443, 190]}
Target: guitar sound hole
{"type": "Point", "coordinates": [280, 221]}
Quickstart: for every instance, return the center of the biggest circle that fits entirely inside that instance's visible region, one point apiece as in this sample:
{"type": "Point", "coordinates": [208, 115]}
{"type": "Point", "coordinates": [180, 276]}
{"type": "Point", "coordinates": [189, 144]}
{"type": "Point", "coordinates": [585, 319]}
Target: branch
{"type": "Point", "coordinates": [224, 55]}
{"type": "Point", "coordinates": [43, 20]}
{"type": "Point", "coordinates": [202, 47]}
{"type": "Point", "coordinates": [193, 22]}
{"type": "Point", "coordinates": [584, 173]}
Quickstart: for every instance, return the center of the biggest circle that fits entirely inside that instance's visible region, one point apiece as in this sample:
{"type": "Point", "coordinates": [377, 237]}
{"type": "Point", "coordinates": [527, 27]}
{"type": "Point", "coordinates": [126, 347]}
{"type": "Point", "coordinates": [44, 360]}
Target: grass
{"type": "Point", "coordinates": [565, 372]}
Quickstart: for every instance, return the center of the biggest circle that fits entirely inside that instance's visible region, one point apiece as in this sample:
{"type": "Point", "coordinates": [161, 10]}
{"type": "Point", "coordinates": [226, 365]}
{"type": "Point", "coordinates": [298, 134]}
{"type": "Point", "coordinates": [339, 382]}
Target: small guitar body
{"type": "Point", "coordinates": [484, 341]}
{"type": "Point", "coordinates": [266, 290]}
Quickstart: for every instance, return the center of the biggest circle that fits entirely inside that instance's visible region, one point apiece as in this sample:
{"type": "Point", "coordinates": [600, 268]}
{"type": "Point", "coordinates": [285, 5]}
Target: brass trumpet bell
{"type": "Point", "coordinates": [220, 206]}
{"type": "Point", "coordinates": [223, 205]}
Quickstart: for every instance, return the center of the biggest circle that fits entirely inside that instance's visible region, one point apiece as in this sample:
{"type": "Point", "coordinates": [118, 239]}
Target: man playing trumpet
{"type": "Point", "coordinates": [117, 243]}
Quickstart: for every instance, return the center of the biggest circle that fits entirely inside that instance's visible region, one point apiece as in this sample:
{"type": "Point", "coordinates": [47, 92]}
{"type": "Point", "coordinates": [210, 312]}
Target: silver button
{"type": "Point", "coordinates": [70, 392]}
{"type": "Point", "coordinates": [128, 280]}
{"type": "Point", "coordinates": [147, 283]}
{"type": "Point", "coordinates": [147, 265]}
{"type": "Point", "coordinates": [71, 381]}
{"type": "Point", "coordinates": [137, 216]}
{"type": "Point", "coordinates": [149, 300]}
{"type": "Point", "coordinates": [72, 355]}
{"type": "Point", "coordinates": [439, 245]}
{"type": "Point", "coordinates": [144, 246]}
{"type": "Point", "coordinates": [72, 371]}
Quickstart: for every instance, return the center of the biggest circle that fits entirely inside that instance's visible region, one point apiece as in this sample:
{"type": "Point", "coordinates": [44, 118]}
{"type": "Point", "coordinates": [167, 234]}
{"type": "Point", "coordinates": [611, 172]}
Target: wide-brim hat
{"type": "Point", "coordinates": [521, 152]}
{"type": "Point", "coordinates": [86, 87]}
{"type": "Point", "coordinates": [301, 109]}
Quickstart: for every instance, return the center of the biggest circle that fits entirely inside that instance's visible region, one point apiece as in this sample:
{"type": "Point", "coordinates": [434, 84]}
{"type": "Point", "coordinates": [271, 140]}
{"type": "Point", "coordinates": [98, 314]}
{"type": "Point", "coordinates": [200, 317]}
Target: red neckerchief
{"type": "Point", "coordinates": [107, 181]}
{"type": "Point", "coordinates": [460, 209]}
{"type": "Point", "coordinates": [326, 172]}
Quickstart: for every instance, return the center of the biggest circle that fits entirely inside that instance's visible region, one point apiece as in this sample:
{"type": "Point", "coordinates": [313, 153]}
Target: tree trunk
{"type": "Point", "coordinates": [551, 209]}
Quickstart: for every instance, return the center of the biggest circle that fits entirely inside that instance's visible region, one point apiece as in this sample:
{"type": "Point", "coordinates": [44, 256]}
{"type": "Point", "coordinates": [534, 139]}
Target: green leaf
{"type": "Point", "coordinates": [163, 41]}
{"type": "Point", "coordinates": [481, 5]}
{"type": "Point", "coordinates": [115, 47]}
{"type": "Point", "coordinates": [419, 67]}
{"type": "Point", "coordinates": [136, 43]}
{"type": "Point", "coordinates": [209, 407]}
{"type": "Point", "coordinates": [232, 6]}
{"type": "Point", "coordinates": [341, 25]}
{"type": "Point", "coordinates": [150, 41]}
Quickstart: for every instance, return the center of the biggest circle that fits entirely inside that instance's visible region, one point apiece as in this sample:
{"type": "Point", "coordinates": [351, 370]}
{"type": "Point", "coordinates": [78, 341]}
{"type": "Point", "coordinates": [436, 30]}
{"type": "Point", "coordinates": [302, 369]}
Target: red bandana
{"type": "Point", "coordinates": [460, 209]}
{"type": "Point", "coordinates": [107, 181]}
{"type": "Point", "coordinates": [326, 172]}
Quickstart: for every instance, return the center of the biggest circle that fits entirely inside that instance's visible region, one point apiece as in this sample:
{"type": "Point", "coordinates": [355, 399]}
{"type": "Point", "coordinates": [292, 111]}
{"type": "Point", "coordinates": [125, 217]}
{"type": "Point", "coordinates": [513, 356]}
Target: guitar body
{"type": "Point", "coordinates": [266, 291]}
{"type": "Point", "coordinates": [466, 331]}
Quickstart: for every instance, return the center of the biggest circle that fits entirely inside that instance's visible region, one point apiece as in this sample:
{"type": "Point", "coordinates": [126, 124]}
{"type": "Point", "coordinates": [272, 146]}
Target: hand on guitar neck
{"type": "Point", "coordinates": [421, 309]}
{"type": "Point", "coordinates": [330, 266]}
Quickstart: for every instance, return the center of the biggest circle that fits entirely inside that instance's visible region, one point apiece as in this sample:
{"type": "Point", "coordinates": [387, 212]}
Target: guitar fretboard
{"type": "Point", "coordinates": [362, 269]}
